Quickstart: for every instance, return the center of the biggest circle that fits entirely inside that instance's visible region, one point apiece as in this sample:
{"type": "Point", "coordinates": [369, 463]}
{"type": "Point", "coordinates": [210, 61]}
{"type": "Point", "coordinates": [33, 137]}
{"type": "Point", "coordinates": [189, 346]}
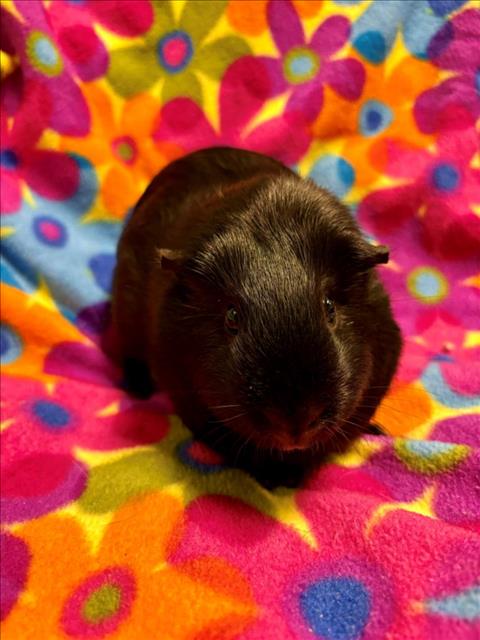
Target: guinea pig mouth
{"type": "Point", "coordinates": [300, 442]}
{"type": "Point", "coordinates": [293, 447]}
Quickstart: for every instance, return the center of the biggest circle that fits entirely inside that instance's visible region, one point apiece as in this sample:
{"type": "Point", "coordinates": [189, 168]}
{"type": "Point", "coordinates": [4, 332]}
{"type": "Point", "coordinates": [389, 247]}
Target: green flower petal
{"type": "Point", "coordinates": [213, 59]}
{"type": "Point", "coordinates": [156, 468]}
{"type": "Point", "coordinates": [199, 17]}
{"type": "Point", "coordinates": [430, 457]}
{"type": "Point", "coordinates": [182, 84]}
{"type": "Point", "coordinates": [133, 70]}
{"type": "Point", "coordinates": [163, 22]}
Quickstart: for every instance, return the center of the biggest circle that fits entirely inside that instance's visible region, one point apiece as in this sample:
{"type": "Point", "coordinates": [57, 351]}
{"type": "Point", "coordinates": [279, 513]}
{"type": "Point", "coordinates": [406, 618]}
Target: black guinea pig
{"type": "Point", "coordinates": [250, 296]}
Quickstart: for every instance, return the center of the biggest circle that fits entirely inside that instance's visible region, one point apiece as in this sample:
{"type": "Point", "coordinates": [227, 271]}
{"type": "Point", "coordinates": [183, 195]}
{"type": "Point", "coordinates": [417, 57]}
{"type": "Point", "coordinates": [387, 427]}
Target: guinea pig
{"type": "Point", "coordinates": [250, 296]}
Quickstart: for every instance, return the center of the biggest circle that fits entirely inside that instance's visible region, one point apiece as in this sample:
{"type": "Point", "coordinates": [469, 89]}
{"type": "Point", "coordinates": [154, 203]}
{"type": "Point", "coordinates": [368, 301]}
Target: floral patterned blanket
{"type": "Point", "coordinates": [115, 523]}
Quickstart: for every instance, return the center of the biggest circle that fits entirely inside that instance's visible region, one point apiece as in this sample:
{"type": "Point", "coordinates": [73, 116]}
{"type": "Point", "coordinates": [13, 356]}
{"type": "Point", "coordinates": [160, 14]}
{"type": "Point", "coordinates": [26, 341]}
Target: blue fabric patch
{"type": "Point", "coordinates": [444, 7]}
{"type": "Point", "coordinates": [51, 414]}
{"type": "Point", "coordinates": [435, 385]}
{"type": "Point", "coordinates": [446, 177]}
{"type": "Point", "coordinates": [102, 266]}
{"type": "Point", "coordinates": [50, 239]}
{"type": "Point", "coordinates": [8, 159]}
{"type": "Point", "coordinates": [375, 117]}
{"type": "Point", "coordinates": [333, 173]}
{"type": "Point", "coordinates": [428, 449]}
{"type": "Point", "coordinates": [465, 606]}
{"type": "Point", "coordinates": [336, 608]}
{"type": "Point", "coordinates": [371, 45]}
{"type": "Point", "coordinates": [11, 345]}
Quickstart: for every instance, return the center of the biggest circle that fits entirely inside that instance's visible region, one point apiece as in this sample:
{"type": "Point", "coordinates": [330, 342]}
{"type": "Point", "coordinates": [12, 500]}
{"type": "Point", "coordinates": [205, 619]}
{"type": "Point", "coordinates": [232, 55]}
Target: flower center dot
{"type": "Point", "coordinates": [428, 285]}
{"type": "Point", "coordinates": [8, 159]}
{"type": "Point", "coordinates": [300, 65]}
{"type": "Point", "coordinates": [50, 232]}
{"type": "Point", "coordinates": [43, 55]}
{"type": "Point", "coordinates": [102, 603]}
{"type": "Point", "coordinates": [175, 50]}
{"type": "Point", "coordinates": [125, 149]}
{"type": "Point", "coordinates": [374, 117]}
{"type": "Point", "coordinates": [51, 414]}
{"type": "Point", "coordinates": [322, 601]}
{"type": "Point", "coordinates": [446, 177]}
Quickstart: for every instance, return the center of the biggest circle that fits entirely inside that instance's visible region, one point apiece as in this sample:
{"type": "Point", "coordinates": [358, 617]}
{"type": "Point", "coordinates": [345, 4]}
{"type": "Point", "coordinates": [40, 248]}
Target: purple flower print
{"type": "Point", "coordinates": [22, 162]}
{"type": "Point", "coordinates": [419, 282]}
{"type": "Point", "coordinates": [455, 49]}
{"type": "Point", "coordinates": [304, 67]}
{"type": "Point", "coordinates": [15, 556]}
{"type": "Point", "coordinates": [34, 42]}
{"type": "Point", "coordinates": [243, 91]}
{"type": "Point", "coordinates": [408, 467]}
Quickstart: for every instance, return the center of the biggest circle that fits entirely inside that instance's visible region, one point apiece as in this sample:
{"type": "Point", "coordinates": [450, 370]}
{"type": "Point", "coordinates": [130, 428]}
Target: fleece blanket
{"type": "Point", "coordinates": [115, 523]}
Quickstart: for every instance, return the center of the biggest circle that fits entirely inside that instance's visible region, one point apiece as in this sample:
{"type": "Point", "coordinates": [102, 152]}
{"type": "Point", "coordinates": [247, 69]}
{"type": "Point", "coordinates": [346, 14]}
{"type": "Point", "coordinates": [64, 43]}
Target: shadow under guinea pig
{"type": "Point", "coordinates": [274, 468]}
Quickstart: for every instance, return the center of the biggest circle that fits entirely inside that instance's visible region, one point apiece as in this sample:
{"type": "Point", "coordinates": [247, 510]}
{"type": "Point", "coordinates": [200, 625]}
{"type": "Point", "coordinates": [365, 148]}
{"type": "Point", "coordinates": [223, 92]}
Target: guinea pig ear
{"type": "Point", "coordinates": [170, 260]}
{"type": "Point", "coordinates": [368, 255]}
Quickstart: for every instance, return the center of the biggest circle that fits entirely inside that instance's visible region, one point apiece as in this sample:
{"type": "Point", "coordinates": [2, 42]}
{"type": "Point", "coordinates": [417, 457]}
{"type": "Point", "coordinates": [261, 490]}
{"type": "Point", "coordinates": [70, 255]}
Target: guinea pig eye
{"type": "Point", "coordinates": [329, 309]}
{"type": "Point", "coordinates": [231, 321]}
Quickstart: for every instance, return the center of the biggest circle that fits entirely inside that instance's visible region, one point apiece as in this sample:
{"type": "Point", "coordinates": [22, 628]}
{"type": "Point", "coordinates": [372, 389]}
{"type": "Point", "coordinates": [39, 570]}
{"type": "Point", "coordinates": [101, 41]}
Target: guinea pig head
{"type": "Point", "coordinates": [273, 312]}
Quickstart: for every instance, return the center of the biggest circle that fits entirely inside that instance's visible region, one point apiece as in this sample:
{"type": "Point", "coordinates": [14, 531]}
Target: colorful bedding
{"type": "Point", "coordinates": [115, 523]}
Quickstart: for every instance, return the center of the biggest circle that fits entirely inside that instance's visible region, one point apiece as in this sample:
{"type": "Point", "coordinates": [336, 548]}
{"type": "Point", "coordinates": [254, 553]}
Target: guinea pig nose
{"type": "Point", "coordinates": [276, 419]}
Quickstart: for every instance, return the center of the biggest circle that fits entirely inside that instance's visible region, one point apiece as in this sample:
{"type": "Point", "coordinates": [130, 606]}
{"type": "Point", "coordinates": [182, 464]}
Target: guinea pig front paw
{"type": "Point", "coordinates": [279, 474]}
{"type": "Point", "coordinates": [137, 380]}
{"type": "Point", "coordinates": [375, 429]}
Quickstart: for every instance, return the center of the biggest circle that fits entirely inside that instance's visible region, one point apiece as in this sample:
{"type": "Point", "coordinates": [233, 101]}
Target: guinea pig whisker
{"type": "Point", "coordinates": [380, 386]}
{"type": "Point", "coordinates": [380, 427]}
{"type": "Point", "coordinates": [354, 424]}
{"type": "Point", "coordinates": [343, 433]}
{"type": "Point", "coordinates": [225, 406]}
{"type": "Point", "coordinates": [239, 415]}
{"type": "Point", "coordinates": [388, 407]}
{"type": "Point", "coordinates": [242, 446]}
{"type": "Point", "coordinates": [187, 306]}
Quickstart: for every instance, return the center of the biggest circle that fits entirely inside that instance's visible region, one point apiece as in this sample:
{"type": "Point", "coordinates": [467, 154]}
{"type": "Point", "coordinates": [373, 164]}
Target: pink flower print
{"type": "Point", "coordinates": [367, 572]}
{"type": "Point", "coordinates": [41, 60]}
{"type": "Point", "coordinates": [305, 67]}
{"type": "Point", "coordinates": [14, 565]}
{"type": "Point", "coordinates": [459, 430]}
{"type": "Point", "coordinates": [441, 184]}
{"type": "Point", "coordinates": [244, 89]}
{"type": "Point", "coordinates": [20, 160]}
{"type": "Point", "coordinates": [349, 522]}
{"type": "Point", "coordinates": [77, 414]}
{"type": "Point", "coordinates": [72, 24]}
{"type": "Point", "coordinates": [124, 17]}
{"type": "Point", "coordinates": [440, 338]}
{"type": "Point", "coordinates": [418, 281]}
{"type": "Point", "coordinates": [72, 27]}
{"type": "Point", "coordinates": [39, 468]}
{"type": "Point", "coordinates": [407, 468]}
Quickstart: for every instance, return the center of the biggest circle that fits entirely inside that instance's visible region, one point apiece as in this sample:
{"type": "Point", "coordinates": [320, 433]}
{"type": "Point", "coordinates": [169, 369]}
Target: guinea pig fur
{"type": "Point", "coordinates": [250, 296]}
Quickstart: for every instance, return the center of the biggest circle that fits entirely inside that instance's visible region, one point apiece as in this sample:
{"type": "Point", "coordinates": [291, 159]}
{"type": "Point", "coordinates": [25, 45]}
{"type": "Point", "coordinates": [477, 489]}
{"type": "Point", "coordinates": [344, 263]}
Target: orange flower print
{"type": "Point", "coordinates": [250, 16]}
{"type": "Point", "coordinates": [385, 110]}
{"type": "Point", "coordinates": [126, 588]}
{"type": "Point", "coordinates": [121, 147]}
